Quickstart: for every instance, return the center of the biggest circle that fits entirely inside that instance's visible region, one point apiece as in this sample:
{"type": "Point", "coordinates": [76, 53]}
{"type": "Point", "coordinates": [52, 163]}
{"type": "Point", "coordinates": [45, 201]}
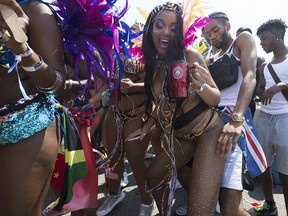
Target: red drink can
{"type": "Point", "coordinates": [178, 76]}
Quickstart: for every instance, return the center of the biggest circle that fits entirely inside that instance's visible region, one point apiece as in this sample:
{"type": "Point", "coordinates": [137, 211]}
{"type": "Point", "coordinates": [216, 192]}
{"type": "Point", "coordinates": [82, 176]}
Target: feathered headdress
{"type": "Point", "coordinates": [90, 31]}
{"type": "Point", "coordinates": [193, 18]}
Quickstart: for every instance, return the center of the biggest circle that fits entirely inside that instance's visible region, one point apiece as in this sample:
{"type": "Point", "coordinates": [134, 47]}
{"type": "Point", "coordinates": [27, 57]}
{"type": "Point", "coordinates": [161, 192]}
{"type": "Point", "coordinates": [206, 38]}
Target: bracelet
{"type": "Point", "coordinates": [54, 87]}
{"type": "Point", "coordinates": [69, 86]}
{"type": "Point", "coordinates": [202, 87]}
{"type": "Point", "coordinates": [18, 58]}
{"type": "Point", "coordinates": [35, 67]}
{"type": "Point", "coordinates": [27, 53]}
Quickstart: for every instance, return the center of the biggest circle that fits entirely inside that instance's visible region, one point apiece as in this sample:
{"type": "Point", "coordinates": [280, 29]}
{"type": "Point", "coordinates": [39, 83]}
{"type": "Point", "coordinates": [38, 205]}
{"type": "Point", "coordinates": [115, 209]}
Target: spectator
{"type": "Point", "coordinates": [271, 124]}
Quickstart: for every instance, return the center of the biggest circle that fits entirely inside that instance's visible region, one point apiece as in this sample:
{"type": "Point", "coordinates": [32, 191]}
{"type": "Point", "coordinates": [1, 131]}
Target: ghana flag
{"type": "Point", "coordinates": [80, 181]}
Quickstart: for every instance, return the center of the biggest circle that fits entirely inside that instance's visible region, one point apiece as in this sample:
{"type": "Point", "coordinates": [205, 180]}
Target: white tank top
{"type": "Point", "coordinates": [279, 104]}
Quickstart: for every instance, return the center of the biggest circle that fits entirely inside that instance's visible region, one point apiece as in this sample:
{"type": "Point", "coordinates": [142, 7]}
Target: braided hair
{"type": "Point", "coordinates": [175, 50]}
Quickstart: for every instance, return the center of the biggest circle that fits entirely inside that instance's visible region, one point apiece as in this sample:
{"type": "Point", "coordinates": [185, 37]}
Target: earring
{"type": "Point", "coordinates": [277, 39]}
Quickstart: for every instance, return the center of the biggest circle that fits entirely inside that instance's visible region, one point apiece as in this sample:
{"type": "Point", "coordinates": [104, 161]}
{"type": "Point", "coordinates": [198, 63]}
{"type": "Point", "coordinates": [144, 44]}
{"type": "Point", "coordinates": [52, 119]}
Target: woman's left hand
{"type": "Point", "coordinates": [198, 76]}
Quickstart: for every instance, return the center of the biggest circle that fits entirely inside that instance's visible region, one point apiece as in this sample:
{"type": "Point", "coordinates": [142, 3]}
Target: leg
{"type": "Point", "coordinates": [230, 197]}
{"type": "Point", "coordinates": [27, 166]}
{"type": "Point", "coordinates": [155, 140]}
{"type": "Point", "coordinates": [284, 181]}
{"type": "Point", "coordinates": [266, 182]}
{"type": "Point", "coordinates": [280, 139]}
{"type": "Point", "coordinates": [109, 140]}
{"type": "Point", "coordinates": [231, 202]}
{"type": "Point", "coordinates": [135, 153]}
{"type": "Point", "coordinates": [184, 176]}
{"type": "Point", "coordinates": [207, 172]}
{"type": "Point", "coordinates": [159, 170]}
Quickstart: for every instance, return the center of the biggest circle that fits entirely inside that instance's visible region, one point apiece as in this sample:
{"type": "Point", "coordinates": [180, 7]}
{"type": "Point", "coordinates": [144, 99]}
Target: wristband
{"type": "Point", "coordinates": [34, 67]}
{"type": "Point", "coordinates": [27, 53]}
{"type": "Point", "coordinates": [69, 85]}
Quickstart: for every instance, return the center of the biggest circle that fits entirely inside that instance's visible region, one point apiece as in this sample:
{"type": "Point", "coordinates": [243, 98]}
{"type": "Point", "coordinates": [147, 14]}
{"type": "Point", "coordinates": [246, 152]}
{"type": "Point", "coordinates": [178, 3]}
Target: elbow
{"type": "Point", "coordinates": [216, 99]}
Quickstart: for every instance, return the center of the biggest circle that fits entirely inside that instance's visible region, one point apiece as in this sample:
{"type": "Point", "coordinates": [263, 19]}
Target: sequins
{"type": "Point", "coordinates": [21, 124]}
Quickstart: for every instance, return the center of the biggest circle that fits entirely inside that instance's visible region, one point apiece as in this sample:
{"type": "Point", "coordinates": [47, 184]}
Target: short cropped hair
{"type": "Point", "coordinates": [273, 25]}
{"type": "Point", "coordinates": [243, 29]}
{"type": "Point", "coordinates": [218, 15]}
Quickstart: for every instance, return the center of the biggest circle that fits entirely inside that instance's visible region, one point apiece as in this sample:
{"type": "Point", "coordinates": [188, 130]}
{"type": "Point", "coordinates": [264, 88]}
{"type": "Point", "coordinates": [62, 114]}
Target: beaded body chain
{"type": "Point", "coordinates": [165, 110]}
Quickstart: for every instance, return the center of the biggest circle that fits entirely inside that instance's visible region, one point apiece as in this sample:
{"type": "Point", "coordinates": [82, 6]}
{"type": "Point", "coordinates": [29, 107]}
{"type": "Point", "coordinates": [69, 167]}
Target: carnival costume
{"type": "Point", "coordinates": [175, 124]}
{"type": "Point", "coordinates": [29, 115]}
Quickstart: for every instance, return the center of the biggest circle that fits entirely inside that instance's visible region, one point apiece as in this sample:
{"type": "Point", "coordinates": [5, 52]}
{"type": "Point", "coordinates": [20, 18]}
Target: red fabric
{"type": "Point", "coordinates": [58, 173]}
{"type": "Point", "coordinates": [85, 190]}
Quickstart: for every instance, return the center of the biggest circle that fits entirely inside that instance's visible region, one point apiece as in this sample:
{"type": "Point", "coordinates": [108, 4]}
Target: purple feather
{"type": "Point", "coordinates": [90, 26]}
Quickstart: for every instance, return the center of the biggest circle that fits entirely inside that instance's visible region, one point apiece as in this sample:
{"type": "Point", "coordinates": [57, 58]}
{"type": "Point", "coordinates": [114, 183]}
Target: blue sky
{"type": "Point", "coordinates": [248, 13]}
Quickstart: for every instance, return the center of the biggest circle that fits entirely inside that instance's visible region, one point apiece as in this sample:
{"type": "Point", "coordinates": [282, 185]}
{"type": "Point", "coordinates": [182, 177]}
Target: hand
{"type": "Point", "coordinates": [12, 26]}
{"type": "Point", "coordinates": [125, 85]}
{"type": "Point", "coordinates": [198, 76]}
{"type": "Point", "coordinates": [230, 135]}
{"type": "Point", "coordinates": [269, 93]}
{"type": "Point", "coordinates": [14, 5]}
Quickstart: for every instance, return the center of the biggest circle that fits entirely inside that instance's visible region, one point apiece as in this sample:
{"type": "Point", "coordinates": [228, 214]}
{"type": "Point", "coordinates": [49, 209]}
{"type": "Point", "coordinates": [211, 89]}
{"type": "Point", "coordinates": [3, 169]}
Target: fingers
{"type": "Point", "coordinates": [226, 139]}
{"type": "Point", "coordinates": [4, 36]}
{"type": "Point", "coordinates": [14, 5]}
{"type": "Point", "coordinates": [223, 145]}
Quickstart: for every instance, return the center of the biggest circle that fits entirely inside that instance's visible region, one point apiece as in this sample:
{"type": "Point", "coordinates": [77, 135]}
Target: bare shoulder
{"type": "Point", "coordinates": [245, 38]}
{"type": "Point", "coordinates": [245, 44]}
{"type": "Point", "coordinates": [36, 9]}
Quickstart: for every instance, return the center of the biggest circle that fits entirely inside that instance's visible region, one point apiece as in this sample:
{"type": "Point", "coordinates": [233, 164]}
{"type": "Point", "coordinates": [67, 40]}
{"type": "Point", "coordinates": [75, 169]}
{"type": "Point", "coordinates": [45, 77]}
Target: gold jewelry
{"type": "Point", "coordinates": [235, 117]}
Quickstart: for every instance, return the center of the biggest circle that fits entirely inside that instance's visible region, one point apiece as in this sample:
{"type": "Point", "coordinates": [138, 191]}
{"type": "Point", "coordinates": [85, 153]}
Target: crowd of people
{"type": "Point", "coordinates": [80, 101]}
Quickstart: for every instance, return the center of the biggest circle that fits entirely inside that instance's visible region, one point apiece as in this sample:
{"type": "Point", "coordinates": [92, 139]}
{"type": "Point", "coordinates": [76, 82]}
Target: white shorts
{"type": "Point", "coordinates": [232, 177]}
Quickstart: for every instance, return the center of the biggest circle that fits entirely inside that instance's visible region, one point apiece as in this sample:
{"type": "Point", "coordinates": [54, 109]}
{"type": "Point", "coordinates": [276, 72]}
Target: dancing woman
{"type": "Point", "coordinates": [190, 126]}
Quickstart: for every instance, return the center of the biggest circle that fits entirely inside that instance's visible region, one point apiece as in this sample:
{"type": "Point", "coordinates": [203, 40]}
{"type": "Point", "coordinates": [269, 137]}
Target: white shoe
{"type": "Point", "coordinates": [124, 180]}
{"type": "Point", "coordinates": [49, 211]}
{"type": "Point", "coordinates": [146, 210]}
{"type": "Point", "coordinates": [110, 202]}
{"type": "Point", "coordinates": [218, 208]}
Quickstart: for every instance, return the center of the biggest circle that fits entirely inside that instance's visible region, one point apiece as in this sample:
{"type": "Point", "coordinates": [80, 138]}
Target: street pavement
{"type": "Point", "coordinates": [131, 203]}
